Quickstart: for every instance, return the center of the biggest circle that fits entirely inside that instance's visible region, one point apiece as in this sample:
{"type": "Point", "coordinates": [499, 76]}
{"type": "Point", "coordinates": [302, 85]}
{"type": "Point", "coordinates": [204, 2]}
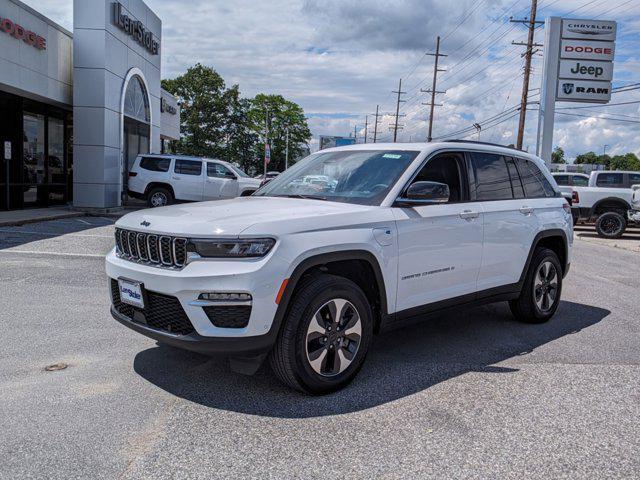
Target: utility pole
{"type": "Point", "coordinates": [397, 115]}
{"type": "Point", "coordinates": [366, 126]}
{"type": "Point", "coordinates": [286, 151]}
{"type": "Point", "coordinates": [433, 90]}
{"type": "Point", "coordinates": [531, 22]}
{"type": "Point", "coordinates": [355, 134]}
{"type": "Point", "coordinates": [375, 125]}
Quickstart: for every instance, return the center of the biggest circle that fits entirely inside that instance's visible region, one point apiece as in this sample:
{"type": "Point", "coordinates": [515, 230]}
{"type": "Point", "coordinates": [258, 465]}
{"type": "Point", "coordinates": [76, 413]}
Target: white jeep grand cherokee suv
{"type": "Point", "coordinates": [305, 273]}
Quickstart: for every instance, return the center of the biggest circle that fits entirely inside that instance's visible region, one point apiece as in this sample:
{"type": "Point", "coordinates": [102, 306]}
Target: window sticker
{"type": "Point", "coordinates": [391, 155]}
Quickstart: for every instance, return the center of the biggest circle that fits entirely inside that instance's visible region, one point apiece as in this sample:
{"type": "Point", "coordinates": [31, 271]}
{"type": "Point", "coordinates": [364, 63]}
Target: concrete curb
{"type": "Point", "coordinates": [43, 218]}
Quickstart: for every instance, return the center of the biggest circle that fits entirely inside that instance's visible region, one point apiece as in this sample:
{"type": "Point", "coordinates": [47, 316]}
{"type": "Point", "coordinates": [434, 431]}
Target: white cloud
{"type": "Point", "coordinates": [340, 58]}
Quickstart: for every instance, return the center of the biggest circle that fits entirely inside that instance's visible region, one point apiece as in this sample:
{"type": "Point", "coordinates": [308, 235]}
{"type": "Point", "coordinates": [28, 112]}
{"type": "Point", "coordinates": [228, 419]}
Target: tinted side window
{"type": "Point", "coordinates": [217, 170]}
{"type": "Point", "coordinates": [155, 164]}
{"type": "Point", "coordinates": [562, 179]}
{"type": "Point", "coordinates": [516, 182]}
{"type": "Point", "coordinates": [609, 180]}
{"type": "Point", "coordinates": [188, 167]}
{"type": "Point", "coordinates": [579, 181]}
{"type": "Point", "coordinates": [535, 183]}
{"type": "Point", "coordinates": [492, 177]}
{"type": "Point", "coordinates": [634, 179]}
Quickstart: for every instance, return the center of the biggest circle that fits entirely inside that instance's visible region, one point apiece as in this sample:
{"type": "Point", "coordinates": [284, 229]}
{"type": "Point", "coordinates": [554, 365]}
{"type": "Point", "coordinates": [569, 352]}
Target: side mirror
{"type": "Point", "coordinates": [425, 193]}
{"type": "Point", "coordinates": [230, 175]}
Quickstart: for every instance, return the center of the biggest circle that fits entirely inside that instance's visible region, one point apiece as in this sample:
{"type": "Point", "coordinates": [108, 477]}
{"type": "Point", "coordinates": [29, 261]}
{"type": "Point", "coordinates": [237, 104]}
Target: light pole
{"type": "Point", "coordinates": [604, 150]}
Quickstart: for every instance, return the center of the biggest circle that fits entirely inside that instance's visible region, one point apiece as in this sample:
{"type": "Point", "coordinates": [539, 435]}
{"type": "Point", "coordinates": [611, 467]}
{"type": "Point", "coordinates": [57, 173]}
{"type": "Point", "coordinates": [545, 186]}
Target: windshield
{"type": "Point", "coordinates": [363, 177]}
{"type": "Point", "coordinates": [238, 170]}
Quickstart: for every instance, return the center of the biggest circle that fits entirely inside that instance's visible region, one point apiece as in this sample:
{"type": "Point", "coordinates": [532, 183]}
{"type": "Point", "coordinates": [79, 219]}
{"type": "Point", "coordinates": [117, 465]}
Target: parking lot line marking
{"type": "Point", "coordinates": [31, 232]}
{"type": "Point", "coordinates": [58, 254]}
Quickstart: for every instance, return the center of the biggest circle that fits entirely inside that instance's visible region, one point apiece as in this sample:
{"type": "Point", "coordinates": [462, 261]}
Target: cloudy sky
{"type": "Point", "coordinates": [341, 58]}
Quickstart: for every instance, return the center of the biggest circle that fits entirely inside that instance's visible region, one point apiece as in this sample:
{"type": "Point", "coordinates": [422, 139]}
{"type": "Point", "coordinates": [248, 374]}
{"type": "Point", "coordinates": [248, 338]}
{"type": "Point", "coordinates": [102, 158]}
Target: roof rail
{"type": "Point", "coordinates": [484, 143]}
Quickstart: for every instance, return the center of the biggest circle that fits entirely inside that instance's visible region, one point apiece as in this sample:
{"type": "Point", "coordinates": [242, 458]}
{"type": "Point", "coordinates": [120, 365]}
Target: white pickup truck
{"type": "Point", "coordinates": [607, 201]}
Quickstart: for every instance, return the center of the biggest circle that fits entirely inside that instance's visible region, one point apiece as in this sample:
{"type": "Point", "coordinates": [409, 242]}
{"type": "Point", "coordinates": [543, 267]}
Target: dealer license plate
{"type": "Point", "coordinates": [131, 292]}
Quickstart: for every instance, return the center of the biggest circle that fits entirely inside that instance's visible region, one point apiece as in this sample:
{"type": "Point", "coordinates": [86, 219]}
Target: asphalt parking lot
{"type": "Point", "coordinates": [469, 394]}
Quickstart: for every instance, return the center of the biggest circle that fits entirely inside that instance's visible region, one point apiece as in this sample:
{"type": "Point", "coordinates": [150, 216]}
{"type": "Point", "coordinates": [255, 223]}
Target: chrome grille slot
{"type": "Point", "coordinates": [141, 240]}
{"type": "Point", "coordinates": [157, 250]}
{"type": "Point", "coordinates": [166, 247]}
{"type": "Point", "coordinates": [152, 247]}
{"type": "Point", "coordinates": [133, 245]}
{"type": "Point", "coordinates": [180, 251]}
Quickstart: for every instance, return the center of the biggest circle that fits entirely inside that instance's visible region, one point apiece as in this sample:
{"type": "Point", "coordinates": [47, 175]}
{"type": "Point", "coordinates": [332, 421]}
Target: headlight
{"type": "Point", "coordinates": [225, 248]}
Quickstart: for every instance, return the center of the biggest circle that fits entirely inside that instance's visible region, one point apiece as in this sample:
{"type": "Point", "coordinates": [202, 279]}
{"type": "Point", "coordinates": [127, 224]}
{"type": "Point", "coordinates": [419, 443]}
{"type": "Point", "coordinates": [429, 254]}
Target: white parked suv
{"type": "Point", "coordinates": [305, 273]}
{"type": "Point", "coordinates": [162, 179]}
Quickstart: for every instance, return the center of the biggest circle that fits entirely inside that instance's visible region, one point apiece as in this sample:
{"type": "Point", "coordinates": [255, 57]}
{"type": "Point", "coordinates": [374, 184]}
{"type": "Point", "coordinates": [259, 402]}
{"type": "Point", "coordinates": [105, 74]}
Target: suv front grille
{"type": "Point", "coordinates": [161, 312]}
{"type": "Point", "coordinates": [161, 251]}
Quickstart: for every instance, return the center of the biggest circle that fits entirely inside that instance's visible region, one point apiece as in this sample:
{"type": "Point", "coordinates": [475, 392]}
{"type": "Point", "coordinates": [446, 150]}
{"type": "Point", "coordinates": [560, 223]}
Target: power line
{"type": "Point", "coordinates": [599, 118]}
{"type": "Point", "coordinates": [599, 106]}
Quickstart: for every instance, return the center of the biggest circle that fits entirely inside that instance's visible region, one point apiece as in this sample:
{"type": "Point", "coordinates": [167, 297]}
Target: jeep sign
{"type": "Point", "coordinates": [582, 91]}
{"type": "Point", "coordinates": [586, 70]}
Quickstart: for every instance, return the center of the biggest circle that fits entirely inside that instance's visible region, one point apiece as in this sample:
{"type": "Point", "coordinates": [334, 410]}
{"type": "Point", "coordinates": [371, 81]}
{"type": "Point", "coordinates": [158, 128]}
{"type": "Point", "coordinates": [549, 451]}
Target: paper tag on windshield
{"type": "Point", "coordinates": [391, 155]}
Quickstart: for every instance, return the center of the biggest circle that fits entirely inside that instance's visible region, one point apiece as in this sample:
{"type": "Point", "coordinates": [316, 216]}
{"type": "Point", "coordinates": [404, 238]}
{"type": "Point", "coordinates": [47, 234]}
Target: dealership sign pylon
{"type": "Point", "coordinates": [578, 67]}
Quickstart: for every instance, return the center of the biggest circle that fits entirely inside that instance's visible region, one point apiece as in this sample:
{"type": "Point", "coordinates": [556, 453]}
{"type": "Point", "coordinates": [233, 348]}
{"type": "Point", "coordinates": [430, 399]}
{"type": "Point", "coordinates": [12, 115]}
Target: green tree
{"type": "Point", "coordinates": [204, 111]}
{"type": "Point", "coordinates": [240, 138]}
{"type": "Point", "coordinates": [589, 157]}
{"type": "Point", "coordinates": [557, 156]}
{"type": "Point", "coordinates": [628, 161]}
{"type": "Point", "coordinates": [282, 115]}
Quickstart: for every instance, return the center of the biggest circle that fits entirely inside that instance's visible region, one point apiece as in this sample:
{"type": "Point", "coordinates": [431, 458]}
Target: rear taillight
{"type": "Point", "coordinates": [575, 198]}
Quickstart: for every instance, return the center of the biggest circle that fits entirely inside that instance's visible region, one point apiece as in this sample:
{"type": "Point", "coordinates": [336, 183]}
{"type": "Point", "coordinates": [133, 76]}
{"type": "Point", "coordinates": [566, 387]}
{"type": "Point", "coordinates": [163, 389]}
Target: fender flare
{"type": "Point", "coordinates": [322, 259]}
{"type": "Point", "coordinates": [555, 232]}
{"type": "Point", "coordinates": [619, 200]}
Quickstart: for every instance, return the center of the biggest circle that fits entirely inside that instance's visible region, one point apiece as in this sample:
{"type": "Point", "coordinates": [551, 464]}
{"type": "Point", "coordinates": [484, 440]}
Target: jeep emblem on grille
{"type": "Point", "coordinates": [145, 223]}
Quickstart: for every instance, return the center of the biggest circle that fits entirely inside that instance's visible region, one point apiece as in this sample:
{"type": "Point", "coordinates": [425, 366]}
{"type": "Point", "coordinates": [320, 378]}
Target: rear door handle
{"type": "Point", "coordinates": [175, 178]}
{"type": "Point", "coordinates": [526, 210]}
{"type": "Point", "coordinates": [469, 214]}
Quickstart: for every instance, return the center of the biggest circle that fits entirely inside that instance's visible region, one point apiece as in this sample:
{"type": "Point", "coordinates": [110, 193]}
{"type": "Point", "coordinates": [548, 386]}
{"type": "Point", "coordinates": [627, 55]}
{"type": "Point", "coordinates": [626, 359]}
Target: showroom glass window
{"type": "Point", "coordinates": [137, 120]}
{"type": "Point", "coordinates": [33, 159]}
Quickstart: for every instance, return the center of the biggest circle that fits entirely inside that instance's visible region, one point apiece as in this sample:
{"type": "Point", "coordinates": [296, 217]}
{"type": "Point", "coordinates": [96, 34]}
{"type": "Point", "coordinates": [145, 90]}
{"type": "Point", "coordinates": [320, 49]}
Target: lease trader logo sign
{"type": "Point", "coordinates": [135, 28]}
{"type": "Point", "coordinates": [19, 32]}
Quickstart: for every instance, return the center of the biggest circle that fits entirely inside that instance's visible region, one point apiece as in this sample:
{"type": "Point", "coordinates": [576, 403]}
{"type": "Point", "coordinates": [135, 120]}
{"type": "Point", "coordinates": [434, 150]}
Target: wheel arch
{"type": "Point", "coordinates": [354, 265]}
{"type": "Point", "coordinates": [153, 185]}
{"type": "Point", "coordinates": [610, 202]}
{"type": "Point", "coordinates": [554, 239]}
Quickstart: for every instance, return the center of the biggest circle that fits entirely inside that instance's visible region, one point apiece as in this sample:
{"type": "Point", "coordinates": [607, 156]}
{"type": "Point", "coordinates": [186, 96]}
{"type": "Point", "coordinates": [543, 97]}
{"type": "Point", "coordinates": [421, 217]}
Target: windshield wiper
{"type": "Point", "coordinates": [298, 195]}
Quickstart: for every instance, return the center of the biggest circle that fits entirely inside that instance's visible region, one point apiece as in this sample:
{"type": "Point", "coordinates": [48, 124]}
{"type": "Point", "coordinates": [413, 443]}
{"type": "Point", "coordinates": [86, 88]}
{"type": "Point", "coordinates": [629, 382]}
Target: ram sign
{"type": "Point", "coordinates": [581, 91]}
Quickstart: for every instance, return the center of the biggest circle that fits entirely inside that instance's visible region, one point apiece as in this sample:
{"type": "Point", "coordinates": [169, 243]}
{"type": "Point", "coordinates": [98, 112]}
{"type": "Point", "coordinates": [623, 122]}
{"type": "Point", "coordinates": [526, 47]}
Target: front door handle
{"type": "Point", "coordinates": [469, 214]}
{"type": "Point", "coordinates": [526, 210]}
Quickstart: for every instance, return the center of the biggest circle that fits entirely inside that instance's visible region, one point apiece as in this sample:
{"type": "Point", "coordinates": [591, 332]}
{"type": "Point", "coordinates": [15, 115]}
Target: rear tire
{"type": "Point", "coordinates": [159, 197]}
{"type": "Point", "coordinates": [325, 336]}
{"type": "Point", "coordinates": [611, 225]}
{"type": "Point", "coordinates": [540, 295]}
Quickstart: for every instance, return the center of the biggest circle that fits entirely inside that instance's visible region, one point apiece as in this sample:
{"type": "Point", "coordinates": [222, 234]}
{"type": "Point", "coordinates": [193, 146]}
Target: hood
{"type": "Point", "coordinates": [230, 218]}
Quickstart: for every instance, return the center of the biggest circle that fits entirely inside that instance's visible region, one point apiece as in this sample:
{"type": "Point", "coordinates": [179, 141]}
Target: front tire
{"type": "Point", "coordinates": [325, 336]}
{"type": "Point", "coordinates": [611, 225]}
{"type": "Point", "coordinates": [540, 295]}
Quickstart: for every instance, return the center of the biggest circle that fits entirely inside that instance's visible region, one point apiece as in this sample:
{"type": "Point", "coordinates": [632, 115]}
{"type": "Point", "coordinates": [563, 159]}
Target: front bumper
{"type": "Point", "coordinates": [259, 277]}
{"type": "Point", "coordinates": [226, 346]}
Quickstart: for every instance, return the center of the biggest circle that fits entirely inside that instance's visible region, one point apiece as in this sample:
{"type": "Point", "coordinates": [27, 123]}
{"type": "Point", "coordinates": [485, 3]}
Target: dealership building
{"type": "Point", "coordinates": [77, 108]}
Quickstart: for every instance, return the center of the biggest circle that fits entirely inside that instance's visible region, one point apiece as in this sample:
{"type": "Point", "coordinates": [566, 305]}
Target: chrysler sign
{"type": "Point", "coordinates": [135, 29]}
{"type": "Point", "coordinates": [589, 29]}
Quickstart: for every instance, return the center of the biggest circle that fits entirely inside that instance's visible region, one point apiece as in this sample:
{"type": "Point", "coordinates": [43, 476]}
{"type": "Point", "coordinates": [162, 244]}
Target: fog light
{"type": "Point", "coordinates": [226, 297]}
